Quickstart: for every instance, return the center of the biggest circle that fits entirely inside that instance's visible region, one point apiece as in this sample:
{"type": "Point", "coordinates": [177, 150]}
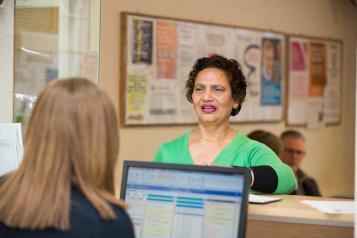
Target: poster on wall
{"type": "Point", "coordinates": [314, 83]}
{"type": "Point", "coordinates": [262, 58]}
{"type": "Point", "coordinates": [158, 54]}
{"type": "Point", "coordinates": [142, 41]}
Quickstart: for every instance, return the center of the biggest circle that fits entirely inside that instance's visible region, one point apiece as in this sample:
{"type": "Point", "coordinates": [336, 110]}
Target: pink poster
{"type": "Point", "coordinates": [298, 56]}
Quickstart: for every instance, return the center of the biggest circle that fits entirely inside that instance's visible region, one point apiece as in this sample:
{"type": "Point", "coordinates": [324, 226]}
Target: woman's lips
{"type": "Point", "coordinates": [208, 108]}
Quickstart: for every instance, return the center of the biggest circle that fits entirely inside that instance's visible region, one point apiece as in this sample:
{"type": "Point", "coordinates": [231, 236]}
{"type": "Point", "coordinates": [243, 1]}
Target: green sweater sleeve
{"type": "Point", "coordinates": [262, 155]}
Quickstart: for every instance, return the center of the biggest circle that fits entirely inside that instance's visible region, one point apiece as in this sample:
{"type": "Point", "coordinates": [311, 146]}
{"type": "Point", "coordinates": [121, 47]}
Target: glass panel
{"type": "Point", "coordinates": [6, 62]}
{"type": "Point", "coordinates": [53, 39]}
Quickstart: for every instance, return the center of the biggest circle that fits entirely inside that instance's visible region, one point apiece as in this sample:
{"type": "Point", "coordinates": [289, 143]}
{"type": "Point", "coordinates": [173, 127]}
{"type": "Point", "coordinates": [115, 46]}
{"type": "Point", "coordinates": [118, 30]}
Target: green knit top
{"type": "Point", "coordinates": [242, 151]}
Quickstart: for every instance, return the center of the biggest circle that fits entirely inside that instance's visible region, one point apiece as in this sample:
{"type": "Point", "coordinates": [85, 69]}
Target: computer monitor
{"type": "Point", "coordinates": [185, 201]}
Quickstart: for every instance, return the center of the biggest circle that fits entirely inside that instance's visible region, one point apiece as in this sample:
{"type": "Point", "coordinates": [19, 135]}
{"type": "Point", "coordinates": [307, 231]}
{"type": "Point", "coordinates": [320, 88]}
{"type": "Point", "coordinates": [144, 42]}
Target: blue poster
{"type": "Point", "coordinates": [271, 72]}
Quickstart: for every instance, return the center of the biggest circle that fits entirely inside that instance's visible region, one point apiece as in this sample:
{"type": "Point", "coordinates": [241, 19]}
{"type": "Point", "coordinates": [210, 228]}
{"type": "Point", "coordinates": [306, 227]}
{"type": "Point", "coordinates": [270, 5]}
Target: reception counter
{"type": "Point", "coordinates": [291, 218]}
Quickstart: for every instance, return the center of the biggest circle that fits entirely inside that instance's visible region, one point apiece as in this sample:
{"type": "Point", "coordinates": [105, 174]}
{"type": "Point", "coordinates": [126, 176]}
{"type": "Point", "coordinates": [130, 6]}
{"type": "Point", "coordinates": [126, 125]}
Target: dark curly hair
{"type": "Point", "coordinates": [230, 67]}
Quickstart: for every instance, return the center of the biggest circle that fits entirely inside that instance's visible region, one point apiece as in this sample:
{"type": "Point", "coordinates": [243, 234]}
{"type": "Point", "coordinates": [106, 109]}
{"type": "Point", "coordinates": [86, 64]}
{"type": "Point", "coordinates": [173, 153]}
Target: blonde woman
{"type": "Point", "coordinates": [64, 186]}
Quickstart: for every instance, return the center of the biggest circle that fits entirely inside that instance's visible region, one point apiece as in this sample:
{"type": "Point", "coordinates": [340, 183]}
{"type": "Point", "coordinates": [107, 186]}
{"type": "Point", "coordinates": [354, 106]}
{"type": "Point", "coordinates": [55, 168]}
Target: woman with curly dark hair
{"type": "Point", "coordinates": [216, 87]}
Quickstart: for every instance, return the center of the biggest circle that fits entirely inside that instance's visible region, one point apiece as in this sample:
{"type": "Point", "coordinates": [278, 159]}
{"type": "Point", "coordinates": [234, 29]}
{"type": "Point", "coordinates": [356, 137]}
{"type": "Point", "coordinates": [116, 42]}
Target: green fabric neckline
{"type": "Point", "coordinates": [225, 153]}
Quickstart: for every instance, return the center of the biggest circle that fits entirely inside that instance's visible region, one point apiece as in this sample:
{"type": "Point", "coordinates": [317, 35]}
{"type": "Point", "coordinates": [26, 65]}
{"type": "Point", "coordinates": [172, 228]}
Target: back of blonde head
{"type": "Point", "coordinates": [72, 140]}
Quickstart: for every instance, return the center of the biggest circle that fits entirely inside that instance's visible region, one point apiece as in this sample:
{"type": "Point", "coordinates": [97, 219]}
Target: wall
{"type": "Point", "coordinates": [355, 230]}
{"type": "Point", "coordinates": [330, 151]}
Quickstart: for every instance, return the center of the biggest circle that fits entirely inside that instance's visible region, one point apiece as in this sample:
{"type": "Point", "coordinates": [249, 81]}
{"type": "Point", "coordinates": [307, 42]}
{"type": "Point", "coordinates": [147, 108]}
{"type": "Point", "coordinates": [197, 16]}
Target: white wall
{"type": "Point", "coordinates": [356, 154]}
{"type": "Point", "coordinates": [330, 151]}
{"type": "Point", "coordinates": [6, 62]}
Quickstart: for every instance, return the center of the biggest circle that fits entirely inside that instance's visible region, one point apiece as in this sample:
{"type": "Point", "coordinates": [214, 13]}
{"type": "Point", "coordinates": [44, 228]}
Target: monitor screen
{"type": "Point", "coordinates": [176, 203]}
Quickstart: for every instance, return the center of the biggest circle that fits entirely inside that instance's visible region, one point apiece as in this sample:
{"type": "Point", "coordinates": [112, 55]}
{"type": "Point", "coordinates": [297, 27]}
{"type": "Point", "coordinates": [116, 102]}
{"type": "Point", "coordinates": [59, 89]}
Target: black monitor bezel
{"type": "Point", "coordinates": [185, 167]}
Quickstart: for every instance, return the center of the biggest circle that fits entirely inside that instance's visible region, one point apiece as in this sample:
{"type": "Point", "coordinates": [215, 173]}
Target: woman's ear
{"type": "Point", "coordinates": [236, 105]}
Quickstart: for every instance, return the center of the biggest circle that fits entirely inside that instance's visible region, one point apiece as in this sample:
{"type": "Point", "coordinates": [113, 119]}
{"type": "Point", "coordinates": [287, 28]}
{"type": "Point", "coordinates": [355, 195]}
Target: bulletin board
{"type": "Point", "coordinates": [314, 82]}
{"type": "Point", "coordinates": [157, 54]}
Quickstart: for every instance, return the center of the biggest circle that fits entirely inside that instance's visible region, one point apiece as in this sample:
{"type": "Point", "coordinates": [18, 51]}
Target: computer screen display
{"type": "Point", "coordinates": [179, 203]}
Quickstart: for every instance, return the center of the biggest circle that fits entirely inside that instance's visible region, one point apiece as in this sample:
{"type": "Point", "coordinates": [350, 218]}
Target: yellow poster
{"type": "Point", "coordinates": [135, 96]}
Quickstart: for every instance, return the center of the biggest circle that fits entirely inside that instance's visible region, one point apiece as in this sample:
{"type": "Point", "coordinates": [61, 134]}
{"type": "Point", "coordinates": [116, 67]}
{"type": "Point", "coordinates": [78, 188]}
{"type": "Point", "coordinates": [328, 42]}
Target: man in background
{"type": "Point", "coordinates": [293, 154]}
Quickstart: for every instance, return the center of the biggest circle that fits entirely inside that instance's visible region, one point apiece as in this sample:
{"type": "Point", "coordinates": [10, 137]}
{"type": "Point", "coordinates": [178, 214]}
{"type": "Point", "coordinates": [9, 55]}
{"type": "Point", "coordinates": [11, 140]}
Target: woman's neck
{"type": "Point", "coordinates": [215, 133]}
{"type": "Point", "coordinates": [206, 143]}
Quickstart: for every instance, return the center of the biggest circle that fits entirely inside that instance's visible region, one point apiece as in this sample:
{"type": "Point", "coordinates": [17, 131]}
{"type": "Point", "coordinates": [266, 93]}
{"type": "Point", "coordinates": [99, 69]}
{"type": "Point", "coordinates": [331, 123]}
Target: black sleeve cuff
{"type": "Point", "coordinates": [265, 179]}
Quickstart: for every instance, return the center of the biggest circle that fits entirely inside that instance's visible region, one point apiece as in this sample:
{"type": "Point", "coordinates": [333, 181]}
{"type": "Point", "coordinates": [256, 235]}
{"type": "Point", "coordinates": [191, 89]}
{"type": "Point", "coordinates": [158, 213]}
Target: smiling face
{"type": "Point", "coordinates": [212, 96]}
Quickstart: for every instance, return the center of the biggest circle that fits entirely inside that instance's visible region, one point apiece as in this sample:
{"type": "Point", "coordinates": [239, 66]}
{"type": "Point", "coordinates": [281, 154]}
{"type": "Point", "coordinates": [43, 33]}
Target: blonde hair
{"type": "Point", "coordinates": [72, 140]}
